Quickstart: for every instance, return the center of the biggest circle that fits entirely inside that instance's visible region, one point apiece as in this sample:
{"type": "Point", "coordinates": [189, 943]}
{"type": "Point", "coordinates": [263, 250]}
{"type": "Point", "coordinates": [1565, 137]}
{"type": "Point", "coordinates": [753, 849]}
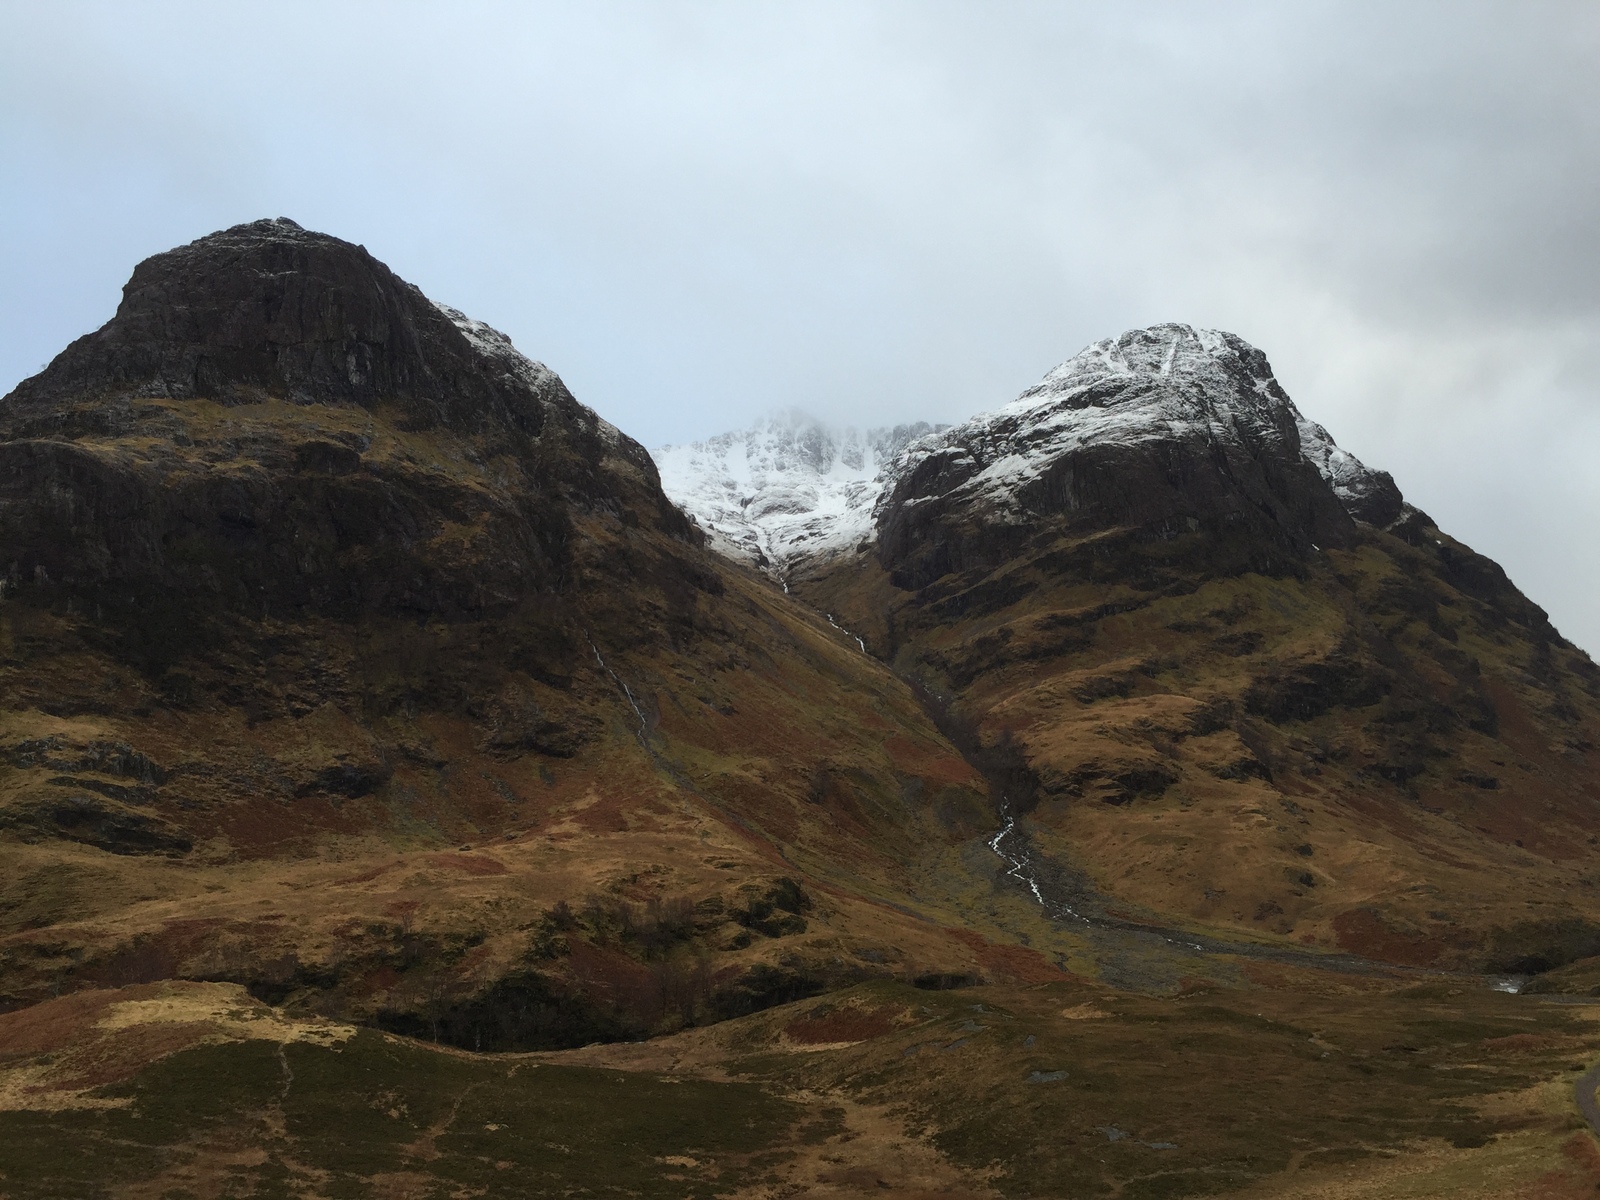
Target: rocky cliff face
{"type": "Point", "coordinates": [246, 436]}
{"type": "Point", "coordinates": [1167, 429]}
{"type": "Point", "coordinates": [269, 309]}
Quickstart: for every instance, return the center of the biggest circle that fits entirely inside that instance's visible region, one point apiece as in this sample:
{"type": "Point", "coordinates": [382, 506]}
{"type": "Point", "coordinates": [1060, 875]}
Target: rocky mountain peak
{"type": "Point", "coordinates": [1163, 383]}
{"type": "Point", "coordinates": [275, 422]}
{"type": "Point", "coordinates": [1169, 350]}
{"type": "Point", "coordinates": [1208, 375]}
{"type": "Point", "coordinates": [269, 309]}
{"type": "Point", "coordinates": [1168, 429]}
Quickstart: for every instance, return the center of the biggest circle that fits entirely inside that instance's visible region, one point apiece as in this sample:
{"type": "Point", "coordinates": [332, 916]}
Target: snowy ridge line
{"type": "Point", "coordinates": [791, 490]}
{"type": "Point", "coordinates": [1168, 383]}
{"type": "Point", "coordinates": [495, 345]}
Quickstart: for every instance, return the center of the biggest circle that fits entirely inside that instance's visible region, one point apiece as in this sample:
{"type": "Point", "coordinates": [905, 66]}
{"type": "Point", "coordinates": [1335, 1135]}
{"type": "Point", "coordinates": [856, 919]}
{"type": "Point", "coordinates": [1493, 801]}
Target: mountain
{"type": "Point", "coordinates": [1169, 429]}
{"type": "Point", "coordinates": [401, 796]}
{"type": "Point", "coordinates": [1240, 683]}
{"type": "Point", "coordinates": [340, 646]}
{"type": "Point", "coordinates": [786, 490]}
{"type": "Point", "coordinates": [791, 492]}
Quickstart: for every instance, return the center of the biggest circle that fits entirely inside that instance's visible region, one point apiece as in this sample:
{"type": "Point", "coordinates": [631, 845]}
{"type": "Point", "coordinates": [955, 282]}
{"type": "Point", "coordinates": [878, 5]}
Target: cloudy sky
{"type": "Point", "coordinates": [698, 213]}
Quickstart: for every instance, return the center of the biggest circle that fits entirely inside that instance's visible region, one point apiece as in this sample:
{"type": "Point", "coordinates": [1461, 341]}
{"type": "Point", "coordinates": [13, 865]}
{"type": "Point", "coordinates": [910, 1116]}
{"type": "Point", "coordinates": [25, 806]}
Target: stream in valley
{"type": "Point", "coordinates": [1146, 956]}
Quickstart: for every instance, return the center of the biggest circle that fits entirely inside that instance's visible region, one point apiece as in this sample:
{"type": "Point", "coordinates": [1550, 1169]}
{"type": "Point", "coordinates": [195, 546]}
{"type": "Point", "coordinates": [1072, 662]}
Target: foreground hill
{"type": "Point", "coordinates": [1062, 1089]}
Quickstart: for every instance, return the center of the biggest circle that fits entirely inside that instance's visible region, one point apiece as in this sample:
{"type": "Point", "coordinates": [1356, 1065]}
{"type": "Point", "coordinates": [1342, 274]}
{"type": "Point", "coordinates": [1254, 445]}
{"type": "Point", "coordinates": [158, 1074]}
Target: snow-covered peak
{"type": "Point", "coordinates": [1169, 382]}
{"type": "Point", "coordinates": [787, 488]}
{"type": "Point", "coordinates": [791, 489]}
{"type": "Point", "coordinates": [1360, 489]}
{"type": "Point", "coordinates": [1161, 351]}
{"type": "Point", "coordinates": [1169, 371]}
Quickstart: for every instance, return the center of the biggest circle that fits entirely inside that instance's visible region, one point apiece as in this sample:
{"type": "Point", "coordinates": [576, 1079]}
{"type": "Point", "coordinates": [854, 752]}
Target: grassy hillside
{"type": "Point", "coordinates": [1283, 1088]}
{"type": "Point", "coordinates": [1384, 750]}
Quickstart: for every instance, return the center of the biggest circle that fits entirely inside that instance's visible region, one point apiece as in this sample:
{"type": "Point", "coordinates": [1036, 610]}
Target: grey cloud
{"type": "Point", "coordinates": [698, 212]}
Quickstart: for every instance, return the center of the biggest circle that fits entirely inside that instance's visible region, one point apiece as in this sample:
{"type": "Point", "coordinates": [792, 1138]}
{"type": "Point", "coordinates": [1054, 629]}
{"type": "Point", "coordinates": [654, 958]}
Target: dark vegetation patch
{"type": "Point", "coordinates": [1534, 947]}
{"type": "Point", "coordinates": [1188, 1082]}
{"type": "Point", "coordinates": [1013, 784]}
{"type": "Point", "coordinates": [651, 930]}
{"type": "Point", "coordinates": [609, 970]}
{"type": "Point", "coordinates": [524, 1011]}
{"type": "Point", "coordinates": [1240, 645]}
{"type": "Point", "coordinates": [358, 1109]}
{"type": "Point", "coordinates": [765, 986]}
{"type": "Point", "coordinates": [1115, 684]}
{"type": "Point", "coordinates": [946, 981]}
{"type": "Point", "coordinates": [774, 911]}
{"type": "Point", "coordinates": [1301, 691]}
{"type": "Point", "coordinates": [1112, 781]}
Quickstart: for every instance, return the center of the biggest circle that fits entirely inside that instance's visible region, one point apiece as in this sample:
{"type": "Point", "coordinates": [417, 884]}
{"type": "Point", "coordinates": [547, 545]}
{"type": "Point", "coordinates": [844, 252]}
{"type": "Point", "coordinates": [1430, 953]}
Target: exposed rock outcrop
{"type": "Point", "coordinates": [271, 310]}
{"type": "Point", "coordinates": [1165, 430]}
{"type": "Point", "coordinates": [275, 424]}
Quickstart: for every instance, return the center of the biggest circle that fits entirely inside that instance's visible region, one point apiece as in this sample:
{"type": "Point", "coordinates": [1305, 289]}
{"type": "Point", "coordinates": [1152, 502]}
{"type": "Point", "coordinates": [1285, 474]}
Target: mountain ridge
{"type": "Point", "coordinates": [1167, 599]}
{"type": "Point", "coordinates": [362, 694]}
{"type": "Point", "coordinates": [1162, 384]}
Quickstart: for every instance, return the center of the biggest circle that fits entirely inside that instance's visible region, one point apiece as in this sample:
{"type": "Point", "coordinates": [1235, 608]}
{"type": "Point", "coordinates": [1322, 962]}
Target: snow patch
{"type": "Point", "coordinates": [788, 488]}
{"type": "Point", "coordinates": [544, 382]}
